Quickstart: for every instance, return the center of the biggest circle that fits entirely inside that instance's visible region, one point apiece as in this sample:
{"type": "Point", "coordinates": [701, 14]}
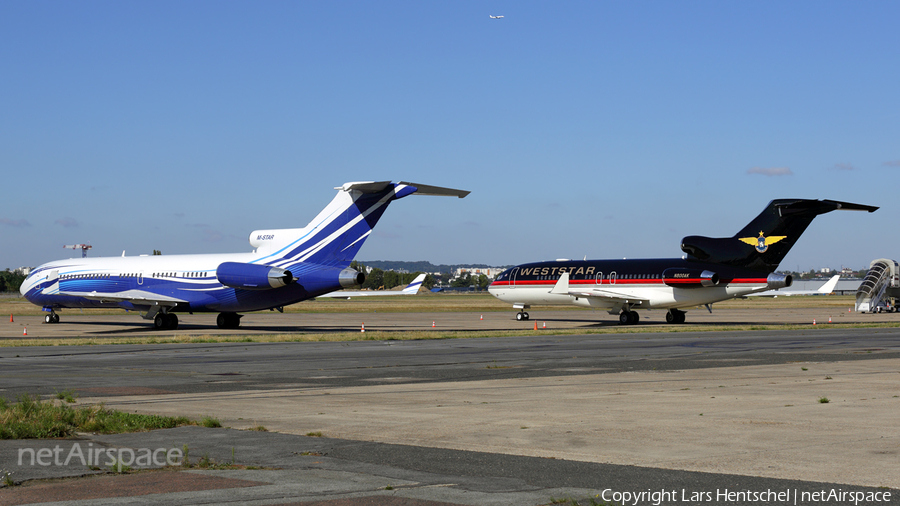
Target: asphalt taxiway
{"type": "Point", "coordinates": [511, 420]}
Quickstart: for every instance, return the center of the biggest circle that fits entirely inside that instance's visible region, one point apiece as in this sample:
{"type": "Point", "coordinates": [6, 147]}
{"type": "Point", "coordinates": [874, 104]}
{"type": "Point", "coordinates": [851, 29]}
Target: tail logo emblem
{"type": "Point", "coordinates": [762, 242]}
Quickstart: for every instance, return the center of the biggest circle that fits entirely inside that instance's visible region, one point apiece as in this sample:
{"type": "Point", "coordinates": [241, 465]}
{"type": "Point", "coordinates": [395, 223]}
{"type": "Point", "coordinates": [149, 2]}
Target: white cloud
{"type": "Point", "coordinates": [67, 222]}
{"type": "Point", "coordinates": [15, 223]}
{"type": "Point", "coordinates": [893, 163]}
{"type": "Point", "coordinates": [771, 172]}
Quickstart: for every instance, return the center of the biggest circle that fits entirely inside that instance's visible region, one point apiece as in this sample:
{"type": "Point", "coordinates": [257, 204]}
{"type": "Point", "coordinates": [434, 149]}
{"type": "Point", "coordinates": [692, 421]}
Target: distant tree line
{"type": "Point", "coordinates": [421, 266]}
{"type": "Point", "coordinates": [379, 279]}
{"type": "Point", "coordinates": [480, 281]}
{"type": "Point", "coordinates": [10, 281]}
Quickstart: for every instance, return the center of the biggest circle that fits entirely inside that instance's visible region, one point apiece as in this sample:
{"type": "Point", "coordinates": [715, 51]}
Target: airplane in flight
{"type": "Point", "coordinates": [826, 288]}
{"type": "Point", "coordinates": [713, 269]}
{"type": "Point", "coordinates": [411, 289]}
{"type": "Point", "coordinates": [495, 17]}
{"type": "Point", "coordinates": [285, 267]}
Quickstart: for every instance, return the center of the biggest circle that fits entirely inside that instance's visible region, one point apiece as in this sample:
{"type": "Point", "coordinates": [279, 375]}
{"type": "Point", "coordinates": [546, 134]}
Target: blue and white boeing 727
{"type": "Point", "coordinates": [287, 266]}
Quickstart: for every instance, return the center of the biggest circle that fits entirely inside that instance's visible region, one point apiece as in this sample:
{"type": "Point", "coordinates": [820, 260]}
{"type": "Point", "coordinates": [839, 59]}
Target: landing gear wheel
{"type": "Point", "coordinates": [48, 319]}
{"type": "Point", "coordinates": [521, 316]}
{"type": "Point", "coordinates": [171, 321]}
{"type": "Point", "coordinates": [526, 315]}
{"type": "Point", "coordinates": [159, 323]}
{"type": "Point", "coordinates": [228, 320]}
{"type": "Point", "coordinates": [54, 318]}
{"type": "Point", "coordinates": [675, 316]}
{"type": "Point", "coordinates": [629, 317]}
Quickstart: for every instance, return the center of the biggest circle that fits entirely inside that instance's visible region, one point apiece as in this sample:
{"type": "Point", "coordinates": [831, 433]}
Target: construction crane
{"type": "Point", "coordinates": [82, 247]}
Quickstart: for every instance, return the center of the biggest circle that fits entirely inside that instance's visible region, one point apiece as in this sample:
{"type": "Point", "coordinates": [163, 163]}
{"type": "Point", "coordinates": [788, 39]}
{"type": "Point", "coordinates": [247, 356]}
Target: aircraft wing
{"type": "Point", "coordinates": [140, 297]}
{"type": "Point", "coordinates": [562, 288]}
{"type": "Point", "coordinates": [825, 289]}
{"type": "Point", "coordinates": [411, 289]}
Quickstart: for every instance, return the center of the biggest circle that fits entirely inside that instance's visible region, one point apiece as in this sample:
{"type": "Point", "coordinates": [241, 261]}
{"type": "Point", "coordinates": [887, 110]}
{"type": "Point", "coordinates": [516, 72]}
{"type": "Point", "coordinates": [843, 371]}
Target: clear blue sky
{"type": "Point", "coordinates": [606, 129]}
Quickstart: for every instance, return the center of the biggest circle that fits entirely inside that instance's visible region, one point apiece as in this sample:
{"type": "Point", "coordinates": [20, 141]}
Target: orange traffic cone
{"type": "Point", "coordinates": [535, 325]}
{"type": "Point", "coordinates": [545, 325]}
{"type": "Point", "coordinates": [25, 331]}
{"type": "Point", "coordinates": [829, 319]}
{"type": "Point", "coordinates": [482, 318]}
{"type": "Point", "coordinates": [432, 324]}
{"type": "Point", "coordinates": [814, 321]}
{"type": "Point", "coordinates": [363, 327]}
{"type": "Point", "coordinates": [10, 319]}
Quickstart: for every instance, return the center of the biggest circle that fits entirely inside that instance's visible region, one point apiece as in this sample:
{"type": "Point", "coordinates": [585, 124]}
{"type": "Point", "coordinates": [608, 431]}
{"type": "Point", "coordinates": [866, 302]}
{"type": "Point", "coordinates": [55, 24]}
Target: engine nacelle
{"type": "Point", "coordinates": [252, 276]}
{"type": "Point", "coordinates": [689, 278]}
{"type": "Point", "coordinates": [348, 278]}
{"type": "Point", "coordinates": [775, 281]}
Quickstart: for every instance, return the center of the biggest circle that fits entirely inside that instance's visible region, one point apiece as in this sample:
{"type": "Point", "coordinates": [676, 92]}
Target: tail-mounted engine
{"type": "Point", "coordinates": [348, 278]}
{"type": "Point", "coordinates": [252, 276]}
{"type": "Point", "coordinates": [689, 278]}
{"type": "Point", "coordinates": [776, 281]}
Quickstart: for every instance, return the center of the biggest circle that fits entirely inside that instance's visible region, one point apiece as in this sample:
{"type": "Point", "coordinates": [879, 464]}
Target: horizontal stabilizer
{"type": "Point", "coordinates": [424, 189]}
{"type": "Point", "coordinates": [364, 186]}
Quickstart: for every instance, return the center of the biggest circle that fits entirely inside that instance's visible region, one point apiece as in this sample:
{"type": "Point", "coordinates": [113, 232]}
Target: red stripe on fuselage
{"type": "Point", "coordinates": [670, 281]}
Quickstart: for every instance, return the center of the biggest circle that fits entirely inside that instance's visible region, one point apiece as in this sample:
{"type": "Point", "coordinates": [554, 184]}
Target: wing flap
{"type": "Point", "coordinates": [562, 288]}
{"type": "Point", "coordinates": [139, 296]}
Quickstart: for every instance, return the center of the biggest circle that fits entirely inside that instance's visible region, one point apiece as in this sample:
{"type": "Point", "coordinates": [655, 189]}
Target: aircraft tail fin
{"type": "Point", "coordinates": [413, 288]}
{"type": "Point", "coordinates": [766, 240]}
{"type": "Point", "coordinates": [335, 235]}
{"type": "Point", "coordinates": [829, 285]}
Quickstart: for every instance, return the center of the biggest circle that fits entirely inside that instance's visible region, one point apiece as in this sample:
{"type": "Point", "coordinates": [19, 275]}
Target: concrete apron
{"type": "Point", "coordinates": [753, 420]}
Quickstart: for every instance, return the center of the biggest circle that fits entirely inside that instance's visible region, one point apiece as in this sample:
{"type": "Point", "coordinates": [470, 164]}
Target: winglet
{"type": "Point", "coordinates": [562, 286]}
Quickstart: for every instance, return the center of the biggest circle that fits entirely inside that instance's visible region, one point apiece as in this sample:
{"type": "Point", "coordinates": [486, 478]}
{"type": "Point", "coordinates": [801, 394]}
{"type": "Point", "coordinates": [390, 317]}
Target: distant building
{"type": "Point", "coordinates": [490, 272]}
{"type": "Point", "coordinates": [24, 270]}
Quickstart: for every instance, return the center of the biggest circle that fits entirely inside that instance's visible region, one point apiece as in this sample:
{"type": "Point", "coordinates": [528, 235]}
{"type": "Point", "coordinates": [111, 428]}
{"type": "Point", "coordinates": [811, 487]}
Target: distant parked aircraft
{"type": "Point", "coordinates": [411, 289]}
{"type": "Point", "coordinates": [825, 289]}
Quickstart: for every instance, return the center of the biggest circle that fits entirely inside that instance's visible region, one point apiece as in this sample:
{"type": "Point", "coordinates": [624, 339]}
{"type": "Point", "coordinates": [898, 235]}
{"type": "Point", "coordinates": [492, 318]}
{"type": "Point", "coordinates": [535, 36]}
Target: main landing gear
{"type": "Point", "coordinates": [521, 316]}
{"type": "Point", "coordinates": [165, 321]}
{"type": "Point", "coordinates": [675, 316]}
{"type": "Point", "coordinates": [228, 320]}
{"type": "Point", "coordinates": [629, 317]}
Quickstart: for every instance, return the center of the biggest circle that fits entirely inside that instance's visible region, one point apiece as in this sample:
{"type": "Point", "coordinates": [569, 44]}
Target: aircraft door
{"type": "Point", "coordinates": [140, 278]}
{"type": "Point", "coordinates": [599, 278]}
{"type": "Point", "coordinates": [612, 277]}
{"type": "Point", "coordinates": [512, 277]}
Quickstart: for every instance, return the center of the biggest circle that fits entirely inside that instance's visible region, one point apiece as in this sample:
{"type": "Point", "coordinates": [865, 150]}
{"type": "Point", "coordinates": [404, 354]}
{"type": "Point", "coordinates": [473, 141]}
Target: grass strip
{"type": "Point", "coordinates": [31, 418]}
{"type": "Point", "coordinates": [414, 335]}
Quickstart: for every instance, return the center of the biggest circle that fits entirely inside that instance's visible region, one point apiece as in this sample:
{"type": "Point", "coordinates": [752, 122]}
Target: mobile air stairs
{"type": "Point", "coordinates": [881, 286]}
